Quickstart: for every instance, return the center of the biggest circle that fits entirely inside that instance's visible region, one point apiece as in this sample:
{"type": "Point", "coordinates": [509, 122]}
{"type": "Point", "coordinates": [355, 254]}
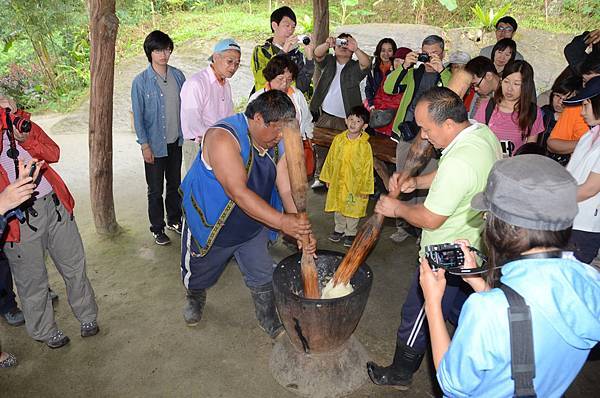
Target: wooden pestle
{"type": "Point", "coordinates": [294, 155]}
{"type": "Point", "coordinates": [420, 152]}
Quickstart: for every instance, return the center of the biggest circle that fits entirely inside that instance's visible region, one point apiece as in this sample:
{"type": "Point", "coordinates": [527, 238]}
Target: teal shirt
{"type": "Point", "coordinates": [462, 172]}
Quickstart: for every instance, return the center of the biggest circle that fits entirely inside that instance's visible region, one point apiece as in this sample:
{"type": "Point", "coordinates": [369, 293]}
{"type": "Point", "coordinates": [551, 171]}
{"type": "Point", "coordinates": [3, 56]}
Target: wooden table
{"type": "Point", "coordinates": [384, 150]}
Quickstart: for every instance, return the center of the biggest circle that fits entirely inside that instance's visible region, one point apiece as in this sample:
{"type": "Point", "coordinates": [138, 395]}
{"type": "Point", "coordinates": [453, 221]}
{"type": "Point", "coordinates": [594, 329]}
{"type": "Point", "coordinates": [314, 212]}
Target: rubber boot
{"type": "Point", "coordinates": [266, 313]}
{"type": "Point", "coordinates": [195, 300]}
{"type": "Point", "coordinates": [400, 373]}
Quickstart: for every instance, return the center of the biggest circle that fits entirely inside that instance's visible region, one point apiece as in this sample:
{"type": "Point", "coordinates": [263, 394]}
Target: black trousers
{"type": "Point", "coordinates": [164, 169]}
{"type": "Point", "coordinates": [7, 293]}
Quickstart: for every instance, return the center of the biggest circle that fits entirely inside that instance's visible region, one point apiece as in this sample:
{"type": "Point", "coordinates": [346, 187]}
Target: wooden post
{"type": "Point", "coordinates": [103, 35]}
{"type": "Point", "coordinates": [320, 27]}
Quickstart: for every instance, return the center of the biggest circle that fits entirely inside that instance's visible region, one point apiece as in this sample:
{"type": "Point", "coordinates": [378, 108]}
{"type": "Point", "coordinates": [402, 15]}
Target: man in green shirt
{"type": "Point", "coordinates": [468, 153]}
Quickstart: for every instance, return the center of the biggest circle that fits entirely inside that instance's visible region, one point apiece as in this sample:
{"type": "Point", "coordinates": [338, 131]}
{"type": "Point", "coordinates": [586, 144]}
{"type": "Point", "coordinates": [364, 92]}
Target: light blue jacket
{"type": "Point", "coordinates": [148, 105]}
{"type": "Point", "coordinates": [564, 299]}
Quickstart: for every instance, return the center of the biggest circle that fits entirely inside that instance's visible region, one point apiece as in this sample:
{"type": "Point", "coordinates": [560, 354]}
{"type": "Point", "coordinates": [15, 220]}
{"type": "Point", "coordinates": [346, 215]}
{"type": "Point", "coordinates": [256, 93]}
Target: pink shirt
{"type": "Point", "coordinates": [204, 101]}
{"type": "Point", "coordinates": [506, 127]}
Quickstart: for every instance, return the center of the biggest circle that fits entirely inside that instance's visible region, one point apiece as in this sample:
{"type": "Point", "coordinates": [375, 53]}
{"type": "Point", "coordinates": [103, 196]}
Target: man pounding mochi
{"type": "Point", "coordinates": [232, 198]}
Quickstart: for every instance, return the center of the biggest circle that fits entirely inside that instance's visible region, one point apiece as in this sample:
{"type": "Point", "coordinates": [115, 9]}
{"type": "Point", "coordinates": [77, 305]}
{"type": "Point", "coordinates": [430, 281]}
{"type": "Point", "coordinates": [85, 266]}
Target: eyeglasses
{"type": "Point", "coordinates": [166, 51]}
{"type": "Point", "coordinates": [478, 83]}
{"type": "Point", "coordinates": [504, 29]}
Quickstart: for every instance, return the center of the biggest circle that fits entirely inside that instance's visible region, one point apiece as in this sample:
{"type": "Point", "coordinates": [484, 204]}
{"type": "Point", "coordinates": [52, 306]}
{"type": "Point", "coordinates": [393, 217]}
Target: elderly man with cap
{"type": "Point", "coordinates": [156, 106]}
{"type": "Point", "coordinates": [540, 344]}
{"type": "Point", "coordinates": [206, 96]}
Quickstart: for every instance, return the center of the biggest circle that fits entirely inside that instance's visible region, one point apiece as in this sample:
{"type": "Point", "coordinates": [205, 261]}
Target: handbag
{"type": "Point", "coordinates": [381, 117]}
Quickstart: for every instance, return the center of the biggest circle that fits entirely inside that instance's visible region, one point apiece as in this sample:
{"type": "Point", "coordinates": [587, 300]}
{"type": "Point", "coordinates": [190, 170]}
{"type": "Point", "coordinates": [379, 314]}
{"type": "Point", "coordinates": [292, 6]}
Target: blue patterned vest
{"type": "Point", "coordinates": [207, 208]}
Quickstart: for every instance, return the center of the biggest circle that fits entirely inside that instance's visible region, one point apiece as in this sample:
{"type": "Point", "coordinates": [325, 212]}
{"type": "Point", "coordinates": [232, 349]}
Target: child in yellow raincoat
{"type": "Point", "coordinates": [348, 173]}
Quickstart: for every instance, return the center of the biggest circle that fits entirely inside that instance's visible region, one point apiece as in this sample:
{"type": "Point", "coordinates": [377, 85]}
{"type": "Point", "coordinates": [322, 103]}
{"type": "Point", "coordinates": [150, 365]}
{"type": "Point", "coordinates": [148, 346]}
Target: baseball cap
{"type": "Point", "coordinates": [224, 45]}
{"type": "Point", "coordinates": [459, 58]}
{"type": "Point", "coordinates": [530, 191]}
{"type": "Point", "coordinates": [591, 89]}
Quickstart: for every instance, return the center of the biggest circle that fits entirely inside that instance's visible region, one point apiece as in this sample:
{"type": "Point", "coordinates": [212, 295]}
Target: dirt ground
{"type": "Point", "coordinates": [144, 348]}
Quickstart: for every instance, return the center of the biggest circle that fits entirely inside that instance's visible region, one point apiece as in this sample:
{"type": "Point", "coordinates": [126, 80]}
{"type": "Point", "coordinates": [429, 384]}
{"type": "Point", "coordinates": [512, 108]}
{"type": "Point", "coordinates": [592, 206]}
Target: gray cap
{"type": "Point", "coordinates": [530, 191]}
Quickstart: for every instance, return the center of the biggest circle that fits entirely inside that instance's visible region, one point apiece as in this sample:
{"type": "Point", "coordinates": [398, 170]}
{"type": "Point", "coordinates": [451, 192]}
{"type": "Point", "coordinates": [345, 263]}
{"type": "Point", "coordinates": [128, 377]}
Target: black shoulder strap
{"type": "Point", "coordinates": [489, 109]}
{"type": "Point", "coordinates": [521, 343]}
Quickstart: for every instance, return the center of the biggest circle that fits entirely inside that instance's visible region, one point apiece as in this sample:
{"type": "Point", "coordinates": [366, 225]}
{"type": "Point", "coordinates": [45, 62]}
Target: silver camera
{"type": "Point", "coordinates": [341, 42]}
{"type": "Point", "coordinates": [304, 39]}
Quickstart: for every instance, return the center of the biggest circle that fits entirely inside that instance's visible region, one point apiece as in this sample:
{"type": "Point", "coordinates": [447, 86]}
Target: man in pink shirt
{"type": "Point", "coordinates": [206, 97]}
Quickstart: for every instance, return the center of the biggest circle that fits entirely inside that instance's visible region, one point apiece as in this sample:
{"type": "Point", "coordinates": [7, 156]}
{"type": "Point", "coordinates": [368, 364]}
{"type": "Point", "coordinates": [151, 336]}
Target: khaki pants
{"type": "Point", "coordinates": [190, 151]}
{"type": "Point", "coordinates": [346, 225]}
{"type": "Point", "coordinates": [56, 233]}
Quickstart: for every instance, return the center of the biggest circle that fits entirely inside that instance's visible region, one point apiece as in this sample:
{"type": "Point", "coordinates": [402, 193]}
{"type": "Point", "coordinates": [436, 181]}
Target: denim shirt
{"type": "Point", "coordinates": [148, 105]}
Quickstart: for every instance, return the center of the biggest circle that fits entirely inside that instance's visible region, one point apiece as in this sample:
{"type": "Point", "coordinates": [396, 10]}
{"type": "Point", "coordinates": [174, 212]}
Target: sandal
{"type": "Point", "coordinates": [9, 361]}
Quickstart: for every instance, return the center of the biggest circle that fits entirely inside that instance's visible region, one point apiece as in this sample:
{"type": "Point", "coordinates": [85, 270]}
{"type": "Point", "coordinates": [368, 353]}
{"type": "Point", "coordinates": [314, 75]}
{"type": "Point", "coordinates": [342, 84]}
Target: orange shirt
{"type": "Point", "coordinates": [570, 125]}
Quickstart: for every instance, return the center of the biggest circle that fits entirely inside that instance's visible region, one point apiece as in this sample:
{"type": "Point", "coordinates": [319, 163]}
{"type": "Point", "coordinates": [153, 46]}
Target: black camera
{"type": "Point", "coordinates": [304, 39]}
{"type": "Point", "coordinates": [23, 125]}
{"type": "Point", "coordinates": [445, 255]}
{"type": "Point", "coordinates": [423, 57]}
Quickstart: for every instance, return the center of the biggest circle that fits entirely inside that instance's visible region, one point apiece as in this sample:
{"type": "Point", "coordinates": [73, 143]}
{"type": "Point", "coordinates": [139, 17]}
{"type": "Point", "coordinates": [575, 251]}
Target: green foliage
{"type": "Point", "coordinates": [487, 19]}
{"type": "Point", "coordinates": [349, 11]}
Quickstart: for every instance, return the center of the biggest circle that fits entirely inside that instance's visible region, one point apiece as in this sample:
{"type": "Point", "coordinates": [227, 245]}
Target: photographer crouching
{"type": "Point", "coordinates": [553, 300]}
{"type": "Point", "coordinates": [46, 224]}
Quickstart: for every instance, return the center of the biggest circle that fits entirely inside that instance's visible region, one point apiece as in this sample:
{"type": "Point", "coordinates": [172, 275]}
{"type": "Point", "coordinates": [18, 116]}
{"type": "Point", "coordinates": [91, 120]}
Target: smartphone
{"type": "Point", "coordinates": [32, 170]}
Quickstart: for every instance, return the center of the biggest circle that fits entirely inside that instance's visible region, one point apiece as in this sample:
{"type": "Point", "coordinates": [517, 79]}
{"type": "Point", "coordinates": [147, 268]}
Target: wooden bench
{"type": "Point", "coordinates": [384, 149]}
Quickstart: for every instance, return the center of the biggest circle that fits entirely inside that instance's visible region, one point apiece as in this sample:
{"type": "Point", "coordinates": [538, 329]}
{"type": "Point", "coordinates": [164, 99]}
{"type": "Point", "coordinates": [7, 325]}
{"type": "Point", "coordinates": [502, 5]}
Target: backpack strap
{"type": "Point", "coordinates": [521, 343]}
{"type": "Point", "coordinates": [489, 109]}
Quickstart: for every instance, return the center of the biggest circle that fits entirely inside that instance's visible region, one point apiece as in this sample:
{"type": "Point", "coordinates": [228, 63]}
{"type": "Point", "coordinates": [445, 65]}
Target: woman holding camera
{"type": "Point", "coordinates": [530, 204]}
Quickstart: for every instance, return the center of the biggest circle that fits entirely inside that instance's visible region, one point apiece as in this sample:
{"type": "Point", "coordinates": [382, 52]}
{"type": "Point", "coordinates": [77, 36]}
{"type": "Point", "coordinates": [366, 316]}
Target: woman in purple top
{"type": "Point", "coordinates": [512, 114]}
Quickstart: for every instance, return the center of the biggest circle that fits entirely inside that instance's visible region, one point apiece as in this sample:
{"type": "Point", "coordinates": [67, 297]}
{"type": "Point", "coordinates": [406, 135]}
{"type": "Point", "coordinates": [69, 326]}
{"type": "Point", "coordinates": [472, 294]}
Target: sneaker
{"type": "Point", "coordinates": [14, 317]}
{"type": "Point", "coordinates": [176, 227]}
{"type": "Point", "coordinates": [348, 240]}
{"type": "Point", "coordinates": [160, 238]}
{"type": "Point", "coordinates": [58, 339]}
{"type": "Point", "coordinates": [9, 360]}
{"type": "Point", "coordinates": [400, 235]}
{"type": "Point", "coordinates": [194, 306]}
{"type": "Point", "coordinates": [317, 184]}
{"type": "Point", "coordinates": [336, 236]}
{"type": "Point", "coordinates": [89, 329]}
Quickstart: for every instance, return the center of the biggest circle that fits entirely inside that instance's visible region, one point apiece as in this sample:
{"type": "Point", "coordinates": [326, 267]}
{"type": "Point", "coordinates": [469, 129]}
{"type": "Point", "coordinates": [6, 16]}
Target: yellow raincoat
{"type": "Point", "coordinates": [348, 169]}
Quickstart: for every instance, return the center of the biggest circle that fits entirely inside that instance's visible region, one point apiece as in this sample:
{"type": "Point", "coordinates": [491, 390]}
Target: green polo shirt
{"type": "Point", "coordinates": [462, 172]}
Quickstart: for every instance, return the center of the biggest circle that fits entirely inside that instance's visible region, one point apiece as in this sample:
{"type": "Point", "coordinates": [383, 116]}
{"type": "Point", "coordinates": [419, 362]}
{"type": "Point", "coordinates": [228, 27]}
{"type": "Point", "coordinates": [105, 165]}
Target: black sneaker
{"type": "Point", "coordinates": [336, 236]}
{"type": "Point", "coordinates": [160, 238]}
{"type": "Point", "coordinates": [174, 227]}
{"type": "Point", "coordinates": [348, 240]}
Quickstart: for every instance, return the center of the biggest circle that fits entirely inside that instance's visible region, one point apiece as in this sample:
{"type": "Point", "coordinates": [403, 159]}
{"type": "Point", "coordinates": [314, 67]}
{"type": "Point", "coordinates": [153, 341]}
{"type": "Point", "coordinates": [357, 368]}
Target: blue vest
{"type": "Point", "coordinates": [205, 204]}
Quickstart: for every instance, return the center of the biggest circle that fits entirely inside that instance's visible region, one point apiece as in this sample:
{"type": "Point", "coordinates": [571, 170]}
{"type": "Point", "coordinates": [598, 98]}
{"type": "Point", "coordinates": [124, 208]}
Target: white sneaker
{"type": "Point", "coordinates": [399, 236]}
{"type": "Point", "coordinates": [317, 184]}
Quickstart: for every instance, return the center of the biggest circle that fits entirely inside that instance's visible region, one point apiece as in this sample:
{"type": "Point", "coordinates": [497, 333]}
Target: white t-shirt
{"type": "Point", "coordinates": [586, 160]}
{"type": "Point", "coordinates": [333, 102]}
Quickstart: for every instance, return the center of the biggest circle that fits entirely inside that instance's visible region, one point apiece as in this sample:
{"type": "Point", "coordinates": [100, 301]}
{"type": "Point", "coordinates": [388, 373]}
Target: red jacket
{"type": "Point", "coordinates": [40, 147]}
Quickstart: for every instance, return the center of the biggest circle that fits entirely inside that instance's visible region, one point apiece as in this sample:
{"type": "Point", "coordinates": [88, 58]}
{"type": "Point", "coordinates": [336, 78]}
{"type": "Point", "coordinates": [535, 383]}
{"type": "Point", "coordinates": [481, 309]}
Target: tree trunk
{"type": "Point", "coordinates": [320, 27]}
{"type": "Point", "coordinates": [103, 34]}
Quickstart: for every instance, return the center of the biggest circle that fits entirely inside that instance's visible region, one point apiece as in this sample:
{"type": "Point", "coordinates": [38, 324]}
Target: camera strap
{"type": "Point", "coordinates": [522, 357]}
{"type": "Point", "coordinates": [12, 152]}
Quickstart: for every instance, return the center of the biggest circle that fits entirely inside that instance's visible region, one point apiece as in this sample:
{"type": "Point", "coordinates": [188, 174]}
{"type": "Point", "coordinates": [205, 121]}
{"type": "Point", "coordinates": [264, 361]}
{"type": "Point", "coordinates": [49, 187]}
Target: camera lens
{"type": "Point", "coordinates": [306, 40]}
{"type": "Point", "coordinates": [23, 125]}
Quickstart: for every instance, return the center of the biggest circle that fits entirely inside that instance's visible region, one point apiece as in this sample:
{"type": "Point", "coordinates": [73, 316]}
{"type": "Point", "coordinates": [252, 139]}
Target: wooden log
{"type": "Point", "coordinates": [420, 151]}
{"type": "Point", "coordinates": [294, 155]}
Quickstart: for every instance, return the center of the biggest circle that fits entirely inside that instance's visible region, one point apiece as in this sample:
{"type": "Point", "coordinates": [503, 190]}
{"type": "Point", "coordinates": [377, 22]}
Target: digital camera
{"type": "Point", "coordinates": [341, 42]}
{"type": "Point", "coordinates": [445, 255]}
{"type": "Point", "coordinates": [304, 39]}
{"type": "Point", "coordinates": [423, 57]}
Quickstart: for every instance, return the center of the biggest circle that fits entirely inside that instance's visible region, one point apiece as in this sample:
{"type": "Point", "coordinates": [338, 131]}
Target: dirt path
{"type": "Point", "coordinates": [144, 349]}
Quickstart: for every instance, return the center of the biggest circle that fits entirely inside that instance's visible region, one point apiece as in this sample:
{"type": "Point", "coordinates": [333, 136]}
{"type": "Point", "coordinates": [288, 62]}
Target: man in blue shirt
{"type": "Point", "coordinates": [156, 113]}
